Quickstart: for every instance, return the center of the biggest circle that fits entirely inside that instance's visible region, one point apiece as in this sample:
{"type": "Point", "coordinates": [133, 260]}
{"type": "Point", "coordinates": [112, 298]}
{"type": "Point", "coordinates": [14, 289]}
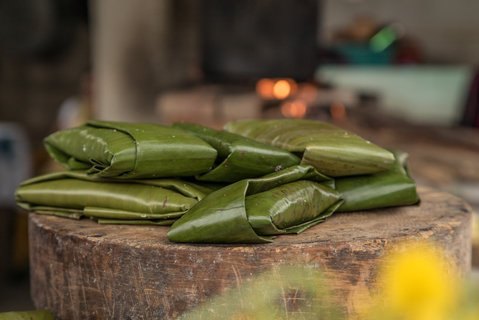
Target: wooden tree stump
{"type": "Point", "coordinates": [83, 270]}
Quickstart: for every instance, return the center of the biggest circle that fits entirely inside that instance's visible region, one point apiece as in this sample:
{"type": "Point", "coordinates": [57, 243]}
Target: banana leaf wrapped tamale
{"type": "Point", "coordinates": [127, 150]}
{"type": "Point", "coordinates": [393, 187]}
{"type": "Point", "coordinates": [254, 210]}
{"type": "Point", "coordinates": [74, 194]}
{"type": "Point", "coordinates": [332, 151]}
{"type": "Point", "coordinates": [27, 315]}
{"type": "Point", "coordinates": [239, 157]}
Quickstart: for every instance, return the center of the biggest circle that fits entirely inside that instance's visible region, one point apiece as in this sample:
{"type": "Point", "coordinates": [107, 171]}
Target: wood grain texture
{"type": "Point", "coordinates": [82, 270]}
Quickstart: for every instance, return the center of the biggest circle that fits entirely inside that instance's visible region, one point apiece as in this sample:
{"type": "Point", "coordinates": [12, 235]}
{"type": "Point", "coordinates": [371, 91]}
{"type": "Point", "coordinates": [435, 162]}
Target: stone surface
{"type": "Point", "coordinates": [82, 270]}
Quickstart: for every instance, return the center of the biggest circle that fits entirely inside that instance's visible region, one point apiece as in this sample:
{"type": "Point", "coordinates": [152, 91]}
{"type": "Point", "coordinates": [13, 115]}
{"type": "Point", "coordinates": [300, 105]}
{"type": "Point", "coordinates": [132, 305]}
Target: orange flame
{"type": "Point", "coordinates": [338, 111]}
{"type": "Point", "coordinates": [281, 89]}
{"type": "Point", "coordinates": [264, 88]}
{"type": "Point", "coordinates": [278, 89]}
{"type": "Point", "coordinates": [294, 109]}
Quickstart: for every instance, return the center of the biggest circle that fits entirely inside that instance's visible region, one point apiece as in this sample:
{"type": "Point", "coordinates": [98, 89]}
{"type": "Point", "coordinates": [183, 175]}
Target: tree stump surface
{"type": "Point", "coordinates": [83, 270]}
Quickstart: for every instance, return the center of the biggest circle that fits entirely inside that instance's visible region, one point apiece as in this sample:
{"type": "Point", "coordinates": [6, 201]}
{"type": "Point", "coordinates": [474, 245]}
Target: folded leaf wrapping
{"type": "Point", "coordinates": [144, 201]}
{"type": "Point", "coordinates": [253, 210]}
{"type": "Point", "coordinates": [239, 157]}
{"type": "Point", "coordinates": [127, 150]}
{"type": "Point", "coordinates": [274, 191]}
{"type": "Point", "coordinates": [27, 315]}
{"type": "Point", "coordinates": [393, 187]}
{"type": "Point", "coordinates": [331, 150]}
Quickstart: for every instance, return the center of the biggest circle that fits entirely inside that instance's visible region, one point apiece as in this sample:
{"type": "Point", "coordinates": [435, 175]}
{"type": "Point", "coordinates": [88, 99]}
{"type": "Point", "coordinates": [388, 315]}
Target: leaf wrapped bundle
{"type": "Point", "coordinates": [386, 189]}
{"type": "Point", "coordinates": [239, 157]}
{"type": "Point", "coordinates": [73, 194]}
{"type": "Point", "coordinates": [27, 315]}
{"type": "Point", "coordinates": [127, 150]}
{"type": "Point", "coordinates": [254, 210]}
{"type": "Point", "coordinates": [331, 150]}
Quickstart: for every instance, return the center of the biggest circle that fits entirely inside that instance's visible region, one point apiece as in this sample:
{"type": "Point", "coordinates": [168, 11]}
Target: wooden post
{"type": "Point", "coordinates": [140, 49]}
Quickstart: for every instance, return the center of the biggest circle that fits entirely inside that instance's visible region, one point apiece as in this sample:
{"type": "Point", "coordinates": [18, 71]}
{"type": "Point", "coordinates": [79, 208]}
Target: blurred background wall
{"type": "Point", "coordinates": [44, 51]}
{"type": "Point", "coordinates": [139, 51]}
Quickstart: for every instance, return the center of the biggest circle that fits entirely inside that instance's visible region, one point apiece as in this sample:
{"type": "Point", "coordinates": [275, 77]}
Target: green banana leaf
{"type": "Point", "coordinates": [386, 189]}
{"type": "Point", "coordinates": [332, 151]}
{"type": "Point", "coordinates": [239, 157]}
{"type": "Point", "coordinates": [27, 315]}
{"type": "Point", "coordinates": [74, 194]}
{"type": "Point", "coordinates": [165, 222]}
{"type": "Point", "coordinates": [253, 210]}
{"type": "Point", "coordinates": [128, 150]}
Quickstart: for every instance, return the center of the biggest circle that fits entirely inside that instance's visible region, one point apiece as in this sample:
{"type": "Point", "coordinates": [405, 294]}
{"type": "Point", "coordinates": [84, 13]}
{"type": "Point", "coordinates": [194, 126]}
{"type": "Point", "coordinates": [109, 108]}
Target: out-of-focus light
{"type": "Point", "coordinates": [281, 89]}
{"type": "Point", "coordinates": [278, 89]}
{"type": "Point", "coordinates": [294, 109]}
{"type": "Point", "coordinates": [338, 111]}
{"type": "Point", "coordinates": [264, 88]}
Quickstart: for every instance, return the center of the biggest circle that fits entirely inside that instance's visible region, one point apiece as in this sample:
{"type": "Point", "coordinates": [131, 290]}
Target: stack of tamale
{"type": "Point", "coordinates": [245, 184]}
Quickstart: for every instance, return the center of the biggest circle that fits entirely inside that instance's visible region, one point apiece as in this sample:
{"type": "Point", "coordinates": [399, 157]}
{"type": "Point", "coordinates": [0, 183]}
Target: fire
{"type": "Point", "coordinates": [264, 88]}
{"type": "Point", "coordinates": [296, 96]}
{"type": "Point", "coordinates": [338, 111]}
{"type": "Point", "coordinates": [281, 89]}
{"type": "Point", "coordinates": [278, 89]}
{"type": "Point", "coordinates": [294, 109]}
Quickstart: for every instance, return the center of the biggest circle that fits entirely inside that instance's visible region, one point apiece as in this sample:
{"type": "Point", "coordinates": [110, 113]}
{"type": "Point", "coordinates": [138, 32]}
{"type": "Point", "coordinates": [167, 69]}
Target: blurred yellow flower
{"type": "Point", "coordinates": [416, 282]}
